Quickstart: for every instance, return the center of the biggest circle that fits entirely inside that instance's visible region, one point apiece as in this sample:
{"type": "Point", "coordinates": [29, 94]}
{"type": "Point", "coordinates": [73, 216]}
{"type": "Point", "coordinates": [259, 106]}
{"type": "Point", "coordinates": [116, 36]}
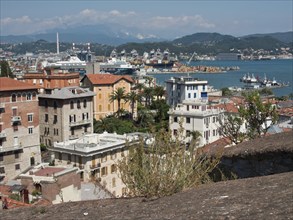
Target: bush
{"type": "Point", "coordinates": [163, 168]}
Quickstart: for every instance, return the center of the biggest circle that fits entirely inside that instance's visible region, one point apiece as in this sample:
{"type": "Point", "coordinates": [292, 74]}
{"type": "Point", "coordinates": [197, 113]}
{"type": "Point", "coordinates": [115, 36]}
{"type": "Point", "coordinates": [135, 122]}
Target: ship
{"type": "Point", "coordinates": [158, 59]}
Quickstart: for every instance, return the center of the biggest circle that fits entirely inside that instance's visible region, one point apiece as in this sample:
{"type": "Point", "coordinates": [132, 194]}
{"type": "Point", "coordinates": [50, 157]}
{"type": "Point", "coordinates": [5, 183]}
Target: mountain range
{"type": "Point", "coordinates": [115, 34]}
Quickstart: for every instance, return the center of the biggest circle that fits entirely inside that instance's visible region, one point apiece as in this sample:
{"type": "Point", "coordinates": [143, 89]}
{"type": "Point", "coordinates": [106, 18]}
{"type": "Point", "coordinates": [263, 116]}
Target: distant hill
{"type": "Point", "coordinates": [285, 37]}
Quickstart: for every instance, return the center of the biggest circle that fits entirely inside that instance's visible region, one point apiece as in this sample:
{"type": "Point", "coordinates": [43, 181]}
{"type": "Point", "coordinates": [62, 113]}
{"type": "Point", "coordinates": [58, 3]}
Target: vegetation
{"type": "Point", "coordinates": [5, 70]}
{"type": "Point", "coordinates": [15, 196]}
{"type": "Point", "coordinates": [118, 96]}
{"type": "Point", "coordinates": [257, 114]}
{"type": "Point", "coordinates": [164, 167]}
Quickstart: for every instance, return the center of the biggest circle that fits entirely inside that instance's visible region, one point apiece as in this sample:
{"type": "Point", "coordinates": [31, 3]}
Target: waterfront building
{"type": "Point", "coordinates": [195, 115]}
{"type": "Point", "coordinates": [96, 155]}
{"type": "Point", "coordinates": [65, 114]}
{"type": "Point", "coordinates": [228, 56]}
{"type": "Point", "coordinates": [185, 88]}
{"type": "Point", "coordinates": [104, 85]}
{"type": "Point", "coordinates": [19, 127]}
{"type": "Point", "coordinates": [51, 79]}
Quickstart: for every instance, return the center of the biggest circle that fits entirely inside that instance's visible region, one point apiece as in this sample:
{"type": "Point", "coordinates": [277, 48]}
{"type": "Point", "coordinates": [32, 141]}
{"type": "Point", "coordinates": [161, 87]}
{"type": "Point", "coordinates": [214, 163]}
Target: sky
{"type": "Point", "coordinates": [167, 19]}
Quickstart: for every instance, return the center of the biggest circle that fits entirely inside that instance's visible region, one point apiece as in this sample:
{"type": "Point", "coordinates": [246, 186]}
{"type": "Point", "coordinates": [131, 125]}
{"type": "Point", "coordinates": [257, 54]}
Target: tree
{"type": "Point", "coordinates": [159, 91]}
{"type": "Point", "coordinates": [132, 97]}
{"type": "Point", "coordinates": [164, 167]}
{"type": "Point", "coordinates": [257, 114]}
{"type": "Point", "coordinates": [226, 92]}
{"type": "Point", "coordinates": [5, 69]}
{"type": "Point", "coordinates": [112, 124]}
{"type": "Point", "coordinates": [230, 127]}
{"type": "Point", "coordinates": [148, 95]}
{"type": "Point", "coordinates": [118, 95]}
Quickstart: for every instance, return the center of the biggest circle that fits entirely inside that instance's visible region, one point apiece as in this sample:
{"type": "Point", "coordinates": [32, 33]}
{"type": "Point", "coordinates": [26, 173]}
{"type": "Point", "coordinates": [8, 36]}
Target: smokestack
{"type": "Point", "coordinates": [57, 43]}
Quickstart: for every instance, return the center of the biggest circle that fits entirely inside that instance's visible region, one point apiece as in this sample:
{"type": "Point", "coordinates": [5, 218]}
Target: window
{"type": "Point", "coordinates": [2, 170]}
{"type": "Point", "coordinates": [194, 95]}
{"type": "Point", "coordinates": [113, 155]}
{"type": "Point", "coordinates": [30, 130]}
{"type": "Point", "coordinates": [189, 95]}
{"type": "Point", "coordinates": [104, 171]}
{"type": "Point", "coordinates": [46, 104]}
{"type": "Point", "coordinates": [13, 98]}
{"type": "Point", "coordinates": [17, 167]}
{"type": "Point", "coordinates": [46, 117]}
{"type": "Point", "coordinates": [16, 155]}
{"type": "Point", "coordinates": [104, 158]}
{"type": "Point", "coordinates": [30, 117]}
{"type": "Point", "coordinates": [55, 119]}
{"type": "Point", "coordinates": [187, 133]}
{"type": "Point", "coordinates": [29, 96]}
{"type": "Point", "coordinates": [175, 132]}
{"type": "Point", "coordinates": [78, 104]}
{"type": "Point", "coordinates": [113, 168]}
{"type": "Point", "coordinates": [84, 103]}
{"type": "Point", "coordinates": [175, 119]}
{"type": "Point", "coordinates": [85, 129]}
{"type": "Point", "coordinates": [109, 107]}
{"type": "Point", "coordinates": [188, 120]}
{"type": "Point", "coordinates": [55, 105]}
{"type": "Point", "coordinates": [71, 105]}
{"type": "Point", "coordinates": [14, 111]}
{"type": "Point", "coordinates": [100, 108]}
{"type": "Point", "coordinates": [1, 157]}
{"type": "Point", "coordinates": [113, 182]}
{"type": "Point", "coordinates": [100, 96]}
{"type": "Point", "coordinates": [187, 107]}
{"type": "Point", "coordinates": [15, 127]}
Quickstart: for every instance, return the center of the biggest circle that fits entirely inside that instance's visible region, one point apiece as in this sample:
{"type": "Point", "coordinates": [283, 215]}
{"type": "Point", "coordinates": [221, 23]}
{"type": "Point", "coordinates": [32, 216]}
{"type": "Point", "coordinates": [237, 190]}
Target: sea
{"type": "Point", "coordinates": [280, 69]}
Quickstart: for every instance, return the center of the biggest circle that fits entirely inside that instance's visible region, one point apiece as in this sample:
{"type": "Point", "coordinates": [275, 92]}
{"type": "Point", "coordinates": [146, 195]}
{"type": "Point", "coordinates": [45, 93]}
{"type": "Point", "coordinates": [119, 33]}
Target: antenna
{"type": "Point", "coordinates": [57, 43]}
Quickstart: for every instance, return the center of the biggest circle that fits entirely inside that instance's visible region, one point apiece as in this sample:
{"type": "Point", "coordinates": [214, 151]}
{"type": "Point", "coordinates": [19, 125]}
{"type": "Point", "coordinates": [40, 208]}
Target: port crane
{"type": "Point", "coordinates": [191, 58]}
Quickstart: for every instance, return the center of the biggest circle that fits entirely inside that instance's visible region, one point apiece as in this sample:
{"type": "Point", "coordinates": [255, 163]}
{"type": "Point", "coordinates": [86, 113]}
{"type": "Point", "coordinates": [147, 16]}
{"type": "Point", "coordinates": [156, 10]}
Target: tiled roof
{"type": "Point", "coordinates": [229, 107]}
{"type": "Point", "coordinates": [106, 79]}
{"type": "Point", "coordinates": [8, 84]}
{"type": "Point", "coordinates": [15, 204]}
{"type": "Point", "coordinates": [48, 171]}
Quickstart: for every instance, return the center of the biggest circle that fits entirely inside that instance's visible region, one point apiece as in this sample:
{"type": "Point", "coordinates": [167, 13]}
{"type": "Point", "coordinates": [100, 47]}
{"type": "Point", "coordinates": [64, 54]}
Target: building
{"type": "Point", "coordinates": [19, 127]}
{"type": "Point", "coordinates": [195, 116]}
{"type": "Point", "coordinates": [65, 114]}
{"type": "Point", "coordinates": [51, 79]}
{"type": "Point", "coordinates": [185, 88]}
{"type": "Point", "coordinates": [96, 155]}
{"type": "Point", "coordinates": [229, 56]}
{"type": "Point", "coordinates": [104, 85]}
{"type": "Point", "coordinates": [54, 184]}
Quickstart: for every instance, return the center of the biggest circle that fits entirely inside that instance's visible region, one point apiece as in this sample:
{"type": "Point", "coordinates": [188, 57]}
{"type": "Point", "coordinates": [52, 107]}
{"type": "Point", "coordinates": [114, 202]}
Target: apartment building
{"type": "Point", "coordinates": [97, 155]}
{"type": "Point", "coordinates": [19, 127]}
{"type": "Point", "coordinates": [185, 88]}
{"type": "Point", "coordinates": [104, 85]}
{"type": "Point", "coordinates": [51, 79]}
{"type": "Point", "coordinates": [198, 116]}
{"type": "Point", "coordinates": [65, 114]}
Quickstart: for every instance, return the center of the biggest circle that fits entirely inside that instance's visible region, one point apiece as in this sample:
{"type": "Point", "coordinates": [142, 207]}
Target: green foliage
{"type": "Point", "coordinates": [256, 113]}
{"type": "Point", "coordinates": [118, 95]}
{"type": "Point", "coordinates": [43, 147]}
{"type": "Point", "coordinates": [226, 92]}
{"type": "Point", "coordinates": [5, 69]}
{"type": "Point", "coordinates": [14, 196]}
{"type": "Point", "coordinates": [36, 193]}
{"type": "Point", "coordinates": [164, 167]}
{"type": "Point", "coordinates": [230, 127]}
{"type": "Point", "coordinates": [266, 91]}
{"type": "Point", "coordinates": [112, 124]}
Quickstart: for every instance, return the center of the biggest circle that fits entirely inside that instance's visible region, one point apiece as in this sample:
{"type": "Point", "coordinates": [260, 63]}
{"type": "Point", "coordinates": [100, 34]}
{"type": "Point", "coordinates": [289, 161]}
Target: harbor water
{"type": "Point", "coordinates": [281, 70]}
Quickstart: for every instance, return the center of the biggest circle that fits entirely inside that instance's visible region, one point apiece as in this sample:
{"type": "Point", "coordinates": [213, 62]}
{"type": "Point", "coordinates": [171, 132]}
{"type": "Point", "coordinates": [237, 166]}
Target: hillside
{"type": "Point", "coordinates": [285, 37]}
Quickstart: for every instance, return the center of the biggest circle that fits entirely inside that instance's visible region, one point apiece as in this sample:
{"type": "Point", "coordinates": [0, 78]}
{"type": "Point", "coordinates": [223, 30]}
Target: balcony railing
{"type": "Point", "coordinates": [78, 123]}
{"type": "Point", "coordinates": [15, 119]}
{"type": "Point", "coordinates": [2, 134]}
{"type": "Point", "coordinates": [72, 137]}
{"type": "Point", "coordinates": [95, 166]}
{"type": "Point", "coordinates": [7, 149]}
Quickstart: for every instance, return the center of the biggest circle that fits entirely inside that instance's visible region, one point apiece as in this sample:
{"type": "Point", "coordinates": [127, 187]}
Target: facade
{"type": "Point", "coordinates": [52, 79]}
{"type": "Point", "coordinates": [185, 88]}
{"type": "Point", "coordinates": [55, 184]}
{"type": "Point", "coordinates": [19, 127]}
{"type": "Point", "coordinates": [195, 116]}
{"type": "Point", "coordinates": [104, 85]}
{"type": "Point", "coordinates": [65, 114]}
{"type": "Point", "coordinates": [96, 155]}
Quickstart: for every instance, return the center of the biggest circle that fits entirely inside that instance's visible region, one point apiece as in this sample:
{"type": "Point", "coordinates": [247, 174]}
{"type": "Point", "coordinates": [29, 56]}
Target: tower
{"type": "Point", "coordinates": [57, 43]}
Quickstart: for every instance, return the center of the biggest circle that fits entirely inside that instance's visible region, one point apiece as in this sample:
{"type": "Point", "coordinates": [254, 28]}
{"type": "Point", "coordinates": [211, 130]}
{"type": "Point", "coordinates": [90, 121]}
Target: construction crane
{"type": "Point", "coordinates": [191, 58]}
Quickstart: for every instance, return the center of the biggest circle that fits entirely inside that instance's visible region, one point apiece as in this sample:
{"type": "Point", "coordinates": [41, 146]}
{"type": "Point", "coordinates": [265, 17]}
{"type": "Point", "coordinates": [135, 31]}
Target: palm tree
{"type": "Point", "coordinates": [148, 94]}
{"type": "Point", "coordinates": [132, 97]}
{"type": "Point", "coordinates": [118, 95]}
{"type": "Point", "coordinates": [159, 91]}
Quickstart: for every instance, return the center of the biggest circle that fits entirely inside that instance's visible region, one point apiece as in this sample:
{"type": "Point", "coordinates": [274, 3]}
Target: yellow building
{"type": "Point", "coordinates": [104, 85]}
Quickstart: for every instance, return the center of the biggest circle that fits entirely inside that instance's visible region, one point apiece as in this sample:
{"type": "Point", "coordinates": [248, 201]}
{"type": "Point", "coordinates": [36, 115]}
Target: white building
{"type": "Point", "coordinates": [195, 116]}
{"type": "Point", "coordinates": [96, 155]}
{"type": "Point", "coordinates": [185, 88]}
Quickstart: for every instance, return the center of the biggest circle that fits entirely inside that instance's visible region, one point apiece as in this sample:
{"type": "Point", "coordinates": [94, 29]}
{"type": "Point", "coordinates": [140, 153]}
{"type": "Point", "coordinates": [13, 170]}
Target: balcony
{"type": "Point", "coordinates": [72, 137]}
{"type": "Point", "coordinates": [79, 123]}
{"type": "Point", "coordinates": [15, 119]}
{"type": "Point", "coordinates": [2, 134]}
{"type": "Point", "coordinates": [95, 166]}
{"type": "Point", "coordinates": [7, 149]}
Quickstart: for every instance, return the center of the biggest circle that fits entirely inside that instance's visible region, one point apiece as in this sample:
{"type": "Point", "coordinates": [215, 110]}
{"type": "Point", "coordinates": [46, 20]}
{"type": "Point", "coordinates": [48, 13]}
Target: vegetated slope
{"type": "Point", "coordinates": [286, 37]}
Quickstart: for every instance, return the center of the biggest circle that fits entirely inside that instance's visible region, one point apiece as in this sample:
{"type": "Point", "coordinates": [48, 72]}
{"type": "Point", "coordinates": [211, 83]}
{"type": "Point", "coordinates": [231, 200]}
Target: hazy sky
{"type": "Point", "coordinates": [174, 18]}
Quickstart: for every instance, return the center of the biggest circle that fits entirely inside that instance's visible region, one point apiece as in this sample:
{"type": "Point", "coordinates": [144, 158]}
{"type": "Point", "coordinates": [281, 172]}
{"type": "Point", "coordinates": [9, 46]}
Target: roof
{"type": "Point", "coordinates": [106, 79]}
{"type": "Point", "coordinates": [68, 93]}
{"type": "Point", "coordinates": [8, 84]}
{"type": "Point", "coordinates": [48, 171]}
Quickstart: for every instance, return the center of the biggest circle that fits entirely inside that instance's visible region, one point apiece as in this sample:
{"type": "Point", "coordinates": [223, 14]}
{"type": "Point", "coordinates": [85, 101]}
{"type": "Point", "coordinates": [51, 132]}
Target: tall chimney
{"type": "Point", "coordinates": [57, 43]}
